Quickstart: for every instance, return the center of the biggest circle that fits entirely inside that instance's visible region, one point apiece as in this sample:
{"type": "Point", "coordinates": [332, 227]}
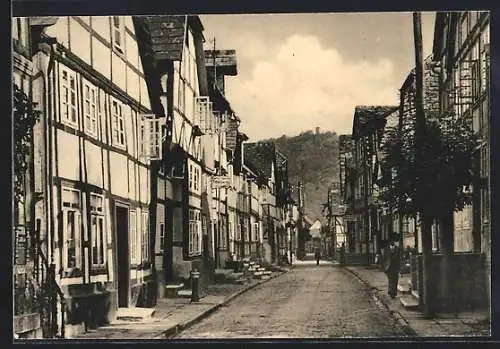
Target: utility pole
{"type": "Point", "coordinates": [366, 208]}
{"type": "Point", "coordinates": [301, 242]}
{"type": "Point", "coordinates": [420, 130]}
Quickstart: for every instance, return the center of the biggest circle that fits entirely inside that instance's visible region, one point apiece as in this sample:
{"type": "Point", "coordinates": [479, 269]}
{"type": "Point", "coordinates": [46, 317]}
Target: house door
{"type": "Point", "coordinates": [123, 262]}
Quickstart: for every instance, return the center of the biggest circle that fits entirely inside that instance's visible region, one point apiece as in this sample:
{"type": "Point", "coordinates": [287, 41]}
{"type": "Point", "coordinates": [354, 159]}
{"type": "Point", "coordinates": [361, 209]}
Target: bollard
{"type": "Point", "coordinates": [195, 286]}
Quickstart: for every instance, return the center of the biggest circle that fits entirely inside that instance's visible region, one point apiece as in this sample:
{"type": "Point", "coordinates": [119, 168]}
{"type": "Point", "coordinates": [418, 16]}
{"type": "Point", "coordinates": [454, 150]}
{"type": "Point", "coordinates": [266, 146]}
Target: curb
{"type": "Point", "coordinates": [174, 330]}
{"type": "Point", "coordinates": [407, 329]}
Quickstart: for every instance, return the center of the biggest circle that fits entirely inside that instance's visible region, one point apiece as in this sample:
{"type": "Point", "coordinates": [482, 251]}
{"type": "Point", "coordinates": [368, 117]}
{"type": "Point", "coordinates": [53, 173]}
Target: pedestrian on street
{"type": "Point", "coordinates": [317, 254]}
{"type": "Point", "coordinates": [392, 264]}
{"type": "Point", "coordinates": [342, 254]}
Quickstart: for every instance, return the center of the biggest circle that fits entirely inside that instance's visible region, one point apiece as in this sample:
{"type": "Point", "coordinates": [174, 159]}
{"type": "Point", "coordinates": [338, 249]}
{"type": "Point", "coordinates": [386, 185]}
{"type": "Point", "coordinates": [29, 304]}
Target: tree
{"type": "Point", "coordinates": [434, 180]}
{"type": "Point", "coordinates": [24, 118]}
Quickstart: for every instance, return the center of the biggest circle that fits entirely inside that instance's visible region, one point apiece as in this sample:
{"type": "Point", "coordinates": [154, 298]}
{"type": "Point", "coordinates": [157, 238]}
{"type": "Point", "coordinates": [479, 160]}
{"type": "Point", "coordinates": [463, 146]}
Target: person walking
{"type": "Point", "coordinates": [392, 265]}
{"type": "Point", "coordinates": [342, 254]}
{"type": "Point", "coordinates": [317, 255]}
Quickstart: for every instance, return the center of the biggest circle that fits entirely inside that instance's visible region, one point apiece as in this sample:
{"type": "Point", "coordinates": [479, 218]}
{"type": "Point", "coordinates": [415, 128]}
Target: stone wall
{"type": "Point", "coordinates": [353, 258]}
{"type": "Point", "coordinates": [431, 88]}
{"type": "Point", "coordinates": [469, 288]}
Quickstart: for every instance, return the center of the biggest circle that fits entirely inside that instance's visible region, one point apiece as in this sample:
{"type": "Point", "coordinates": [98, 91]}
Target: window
{"type": "Point", "coordinates": [466, 84]}
{"type": "Point", "coordinates": [197, 179]}
{"type": "Point", "coordinates": [191, 176]}
{"type": "Point", "coordinates": [238, 229]}
{"type": "Point", "coordinates": [90, 108]}
{"type": "Point", "coordinates": [485, 62]}
{"type": "Point", "coordinates": [151, 135]}
{"type": "Point", "coordinates": [133, 236]}
{"type": "Point", "coordinates": [255, 232]}
{"type": "Point", "coordinates": [145, 236]}
{"type": "Point", "coordinates": [71, 217]}
{"type": "Point", "coordinates": [162, 236]}
{"type": "Point", "coordinates": [118, 124]}
{"type": "Point", "coordinates": [194, 178]}
{"type": "Point", "coordinates": [97, 229]}
{"type": "Point", "coordinates": [68, 102]}
{"type": "Point", "coordinates": [118, 34]}
{"type": "Point", "coordinates": [195, 237]}
{"type": "Point", "coordinates": [205, 117]}
{"type": "Point", "coordinates": [246, 232]}
{"type": "Point", "coordinates": [142, 137]}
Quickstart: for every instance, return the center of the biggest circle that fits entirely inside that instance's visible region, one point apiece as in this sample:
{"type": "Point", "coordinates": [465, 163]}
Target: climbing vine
{"type": "Point", "coordinates": [24, 118]}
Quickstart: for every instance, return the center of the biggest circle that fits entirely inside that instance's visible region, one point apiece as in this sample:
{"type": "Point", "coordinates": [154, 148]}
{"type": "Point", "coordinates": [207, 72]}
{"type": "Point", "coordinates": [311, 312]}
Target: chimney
{"type": "Point", "coordinates": [317, 130]}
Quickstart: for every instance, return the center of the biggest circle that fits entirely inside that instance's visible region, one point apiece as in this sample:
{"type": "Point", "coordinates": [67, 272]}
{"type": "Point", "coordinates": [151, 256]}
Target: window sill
{"type": "Point", "coordinates": [92, 134]}
{"type": "Point", "coordinates": [119, 146]}
{"type": "Point", "coordinates": [72, 125]}
{"type": "Point", "coordinates": [119, 51]}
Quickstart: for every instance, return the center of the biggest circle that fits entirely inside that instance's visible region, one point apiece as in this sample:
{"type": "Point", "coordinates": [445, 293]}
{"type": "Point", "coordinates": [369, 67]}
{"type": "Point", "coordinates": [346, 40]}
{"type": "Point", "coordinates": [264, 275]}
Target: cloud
{"type": "Point", "coordinates": [301, 84]}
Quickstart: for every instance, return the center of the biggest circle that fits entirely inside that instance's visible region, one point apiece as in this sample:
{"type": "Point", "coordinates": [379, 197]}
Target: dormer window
{"type": "Point", "coordinates": [118, 34]}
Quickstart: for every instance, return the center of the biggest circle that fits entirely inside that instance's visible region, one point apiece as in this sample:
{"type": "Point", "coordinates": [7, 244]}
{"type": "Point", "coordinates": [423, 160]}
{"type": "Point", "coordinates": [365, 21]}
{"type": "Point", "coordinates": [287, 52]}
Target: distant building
{"type": "Point", "coordinates": [368, 125]}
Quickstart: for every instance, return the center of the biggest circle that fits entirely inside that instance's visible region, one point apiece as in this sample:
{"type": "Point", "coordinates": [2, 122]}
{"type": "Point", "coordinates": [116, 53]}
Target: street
{"type": "Point", "coordinates": [310, 301]}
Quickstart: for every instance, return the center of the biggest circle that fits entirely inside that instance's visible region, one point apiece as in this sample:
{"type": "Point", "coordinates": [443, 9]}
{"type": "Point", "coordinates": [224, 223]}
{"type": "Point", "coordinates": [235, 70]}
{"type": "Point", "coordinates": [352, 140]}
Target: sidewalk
{"type": "Point", "coordinates": [173, 315]}
{"type": "Point", "coordinates": [467, 323]}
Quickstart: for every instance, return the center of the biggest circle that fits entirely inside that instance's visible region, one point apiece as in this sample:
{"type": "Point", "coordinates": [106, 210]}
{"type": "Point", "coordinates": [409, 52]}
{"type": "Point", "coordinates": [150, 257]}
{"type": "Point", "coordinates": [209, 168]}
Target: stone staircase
{"type": "Point", "coordinates": [247, 269]}
{"type": "Point", "coordinates": [134, 314]}
{"type": "Point", "coordinates": [410, 298]}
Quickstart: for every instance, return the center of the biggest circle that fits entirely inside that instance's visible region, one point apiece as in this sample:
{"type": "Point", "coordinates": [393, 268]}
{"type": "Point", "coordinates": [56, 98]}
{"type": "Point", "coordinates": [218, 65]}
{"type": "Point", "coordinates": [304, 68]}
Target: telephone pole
{"type": "Point", "coordinates": [420, 130]}
{"type": "Point", "coordinates": [300, 225]}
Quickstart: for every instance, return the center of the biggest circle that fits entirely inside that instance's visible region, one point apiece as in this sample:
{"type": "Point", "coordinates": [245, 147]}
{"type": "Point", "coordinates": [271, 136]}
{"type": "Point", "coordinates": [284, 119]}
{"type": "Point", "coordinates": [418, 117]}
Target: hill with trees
{"type": "Point", "coordinates": [312, 158]}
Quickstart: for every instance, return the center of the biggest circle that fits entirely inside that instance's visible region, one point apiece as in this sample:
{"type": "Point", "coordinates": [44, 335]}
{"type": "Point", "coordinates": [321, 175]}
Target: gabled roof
{"type": "Point", "coordinates": [168, 34]}
{"type": "Point", "coordinates": [366, 117]}
{"type": "Point", "coordinates": [261, 155]}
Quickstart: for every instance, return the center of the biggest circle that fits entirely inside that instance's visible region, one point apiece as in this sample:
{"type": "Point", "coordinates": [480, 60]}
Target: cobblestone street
{"type": "Point", "coordinates": [310, 301]}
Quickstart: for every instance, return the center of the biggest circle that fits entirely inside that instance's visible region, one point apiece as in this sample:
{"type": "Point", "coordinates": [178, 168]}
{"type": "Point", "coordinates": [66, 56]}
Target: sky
{"type": "Point", "coordinates": [297, 72]}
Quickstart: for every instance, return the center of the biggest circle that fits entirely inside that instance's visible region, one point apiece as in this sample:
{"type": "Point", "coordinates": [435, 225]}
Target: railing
{"type": "Point", "coordinates": [50, 292]}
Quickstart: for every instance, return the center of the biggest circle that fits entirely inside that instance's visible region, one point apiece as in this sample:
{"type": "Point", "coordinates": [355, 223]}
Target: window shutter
{"type": "Point", "coordinates": [152, 137]}
{"type": "Point", "coordinates": [203, 113]}
{"type": "Point", "coordinates": [210, 118]}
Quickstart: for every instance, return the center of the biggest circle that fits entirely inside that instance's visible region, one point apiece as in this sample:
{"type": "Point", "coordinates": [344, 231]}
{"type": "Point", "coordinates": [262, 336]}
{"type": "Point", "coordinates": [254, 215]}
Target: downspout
{"type": "Point", "coordinates": [47, 142]}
